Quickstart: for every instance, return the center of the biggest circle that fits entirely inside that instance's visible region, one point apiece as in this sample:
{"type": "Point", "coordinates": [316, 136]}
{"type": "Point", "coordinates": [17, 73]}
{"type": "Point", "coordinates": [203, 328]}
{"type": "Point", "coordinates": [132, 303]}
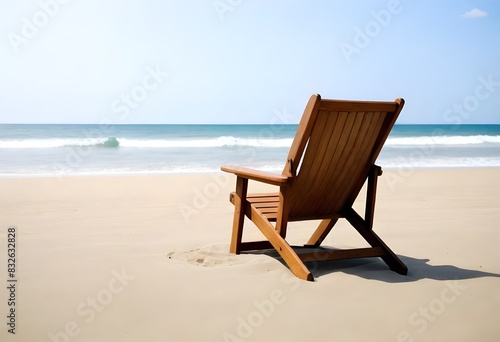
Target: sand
{"type": "Point", "coordinates": [145, 258]}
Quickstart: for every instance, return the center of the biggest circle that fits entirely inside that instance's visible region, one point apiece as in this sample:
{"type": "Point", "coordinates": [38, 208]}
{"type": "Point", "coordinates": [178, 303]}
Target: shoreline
{"type": "Point", "coordinates": [204, 172]}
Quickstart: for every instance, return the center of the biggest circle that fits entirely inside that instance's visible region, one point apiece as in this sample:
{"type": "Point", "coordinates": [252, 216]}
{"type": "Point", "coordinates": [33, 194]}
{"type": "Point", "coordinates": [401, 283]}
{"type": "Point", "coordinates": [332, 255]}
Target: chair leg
{"type": "Point", "coordinates": [239, 214]}
{"type": "Point", "coordinates": [321, 232]}
{"type": "Point", "coordinates": [371, 194]}
{"type": "Point", "coordinates": [281, 246]}
{"type": "Point", "coordinates": [282, 219]}
{"type": "Point", "coordinates": [389, 257]}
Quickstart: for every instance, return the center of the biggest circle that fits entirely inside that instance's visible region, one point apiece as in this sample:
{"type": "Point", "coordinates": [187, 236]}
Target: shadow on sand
{"type": "Point", "coordinates": [376, 269]}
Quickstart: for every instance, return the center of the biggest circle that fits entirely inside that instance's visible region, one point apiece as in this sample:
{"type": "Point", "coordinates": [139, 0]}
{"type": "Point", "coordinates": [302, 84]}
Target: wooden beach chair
{"type": "Point", "coordinates": [332, 155]}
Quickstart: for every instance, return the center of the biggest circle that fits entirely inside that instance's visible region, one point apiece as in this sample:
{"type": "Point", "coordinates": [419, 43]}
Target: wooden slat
{"type": "Point", "coordinates": [387, 125]}
{"type": "Point", "coordinates": [327, 170]}
{"type": "Point", "coordinates": [357, 167]}
{"type": "Point", "coordinates": [267, 206]}
{"type": "Point", "coordinates": [357, 106]}
{"type": "Point", "coordinates": [316, 161]}
{"type": "Point", "coordinates": [262, 195]}
{"type": "Point", "coordinates": [336, 147]}
{"type": "Point", "coordinates": [263, 200]}
{"type": "Point", "coordinates": [314, 156]}
{"type": "Point", "coordinates": [268, 211]}
{"type": "Point", "coordinates": [302, 136]}
{"type": "Point", "coordinates": [332, 193]}
{"type": "Point", "coordinates": [271, 216]}
{"type": "Point", "coordinates": [317, 217]}
{"type": "Point", "coordinates": [338, 162]}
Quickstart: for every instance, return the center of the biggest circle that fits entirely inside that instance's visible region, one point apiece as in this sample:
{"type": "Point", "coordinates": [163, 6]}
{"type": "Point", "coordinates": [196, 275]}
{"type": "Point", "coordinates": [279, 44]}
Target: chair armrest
{"type": "Point", "coordinates": [261, 176]}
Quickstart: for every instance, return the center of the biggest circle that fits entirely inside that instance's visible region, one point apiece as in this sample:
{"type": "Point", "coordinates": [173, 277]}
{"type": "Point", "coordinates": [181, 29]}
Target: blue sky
{"type": "Point", "coordinates": [244, 61]}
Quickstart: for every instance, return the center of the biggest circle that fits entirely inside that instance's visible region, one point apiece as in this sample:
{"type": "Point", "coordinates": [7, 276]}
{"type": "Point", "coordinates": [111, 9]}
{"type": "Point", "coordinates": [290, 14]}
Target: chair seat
{"type": "Point", "coordinates": [266, 203]}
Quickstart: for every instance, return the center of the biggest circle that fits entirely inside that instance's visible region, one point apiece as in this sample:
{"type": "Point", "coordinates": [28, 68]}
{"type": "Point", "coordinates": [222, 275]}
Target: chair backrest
{"type": "Point", "coordinates": [336, 145]}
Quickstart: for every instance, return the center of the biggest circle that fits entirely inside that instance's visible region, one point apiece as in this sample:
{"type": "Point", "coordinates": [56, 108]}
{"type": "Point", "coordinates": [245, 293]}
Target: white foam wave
{"type": "Point", "coordinates": [444, 140]}
{"type": "Point", "coordinates": [231, 141]}
{"type": "Point", "coordinates": [215, 142]}
{"type": "Point", "coordinates": [52, 143]}
{"type": "Point", "coordinates": [440, 163]}
{"type": "Point", "coordinates": [222, 141]}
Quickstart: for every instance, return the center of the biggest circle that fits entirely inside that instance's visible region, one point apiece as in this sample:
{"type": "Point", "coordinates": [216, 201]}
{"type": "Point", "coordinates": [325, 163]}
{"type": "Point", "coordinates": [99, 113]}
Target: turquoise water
{"type": "Point", "coordinates": [123, 149]}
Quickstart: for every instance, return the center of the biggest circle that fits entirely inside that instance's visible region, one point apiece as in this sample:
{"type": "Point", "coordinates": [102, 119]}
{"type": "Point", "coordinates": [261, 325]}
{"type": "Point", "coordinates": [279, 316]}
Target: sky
{"type": "Point", "coordinates": [245, 61]}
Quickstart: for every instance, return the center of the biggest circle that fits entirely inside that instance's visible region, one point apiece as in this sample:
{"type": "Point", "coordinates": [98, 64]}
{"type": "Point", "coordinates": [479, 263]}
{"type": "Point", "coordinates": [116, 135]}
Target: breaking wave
{"type": "Point", "coordinates": [231, 141]}
{"type": "Point", "coordinates": [113, 142]}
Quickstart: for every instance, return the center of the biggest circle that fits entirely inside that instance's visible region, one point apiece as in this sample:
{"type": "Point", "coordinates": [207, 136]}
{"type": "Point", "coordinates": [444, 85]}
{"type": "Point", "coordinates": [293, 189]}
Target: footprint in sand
{"type": "Point", "coordinates": [212, 256]}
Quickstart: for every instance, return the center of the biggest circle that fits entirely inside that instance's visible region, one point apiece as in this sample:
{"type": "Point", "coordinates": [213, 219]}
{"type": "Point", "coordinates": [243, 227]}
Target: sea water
{"type": "Point", "coordinates": [38, 150]}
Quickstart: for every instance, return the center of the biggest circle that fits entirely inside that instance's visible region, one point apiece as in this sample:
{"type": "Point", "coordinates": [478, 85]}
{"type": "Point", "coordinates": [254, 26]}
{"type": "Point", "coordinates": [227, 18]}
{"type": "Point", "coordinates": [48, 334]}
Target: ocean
{"type": "Point", "coordinates": [44, 150]}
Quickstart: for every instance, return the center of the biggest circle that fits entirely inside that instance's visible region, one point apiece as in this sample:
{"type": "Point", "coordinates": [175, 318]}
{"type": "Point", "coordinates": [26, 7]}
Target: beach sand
{"type": "Point", "coordinates": [145, 258]}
